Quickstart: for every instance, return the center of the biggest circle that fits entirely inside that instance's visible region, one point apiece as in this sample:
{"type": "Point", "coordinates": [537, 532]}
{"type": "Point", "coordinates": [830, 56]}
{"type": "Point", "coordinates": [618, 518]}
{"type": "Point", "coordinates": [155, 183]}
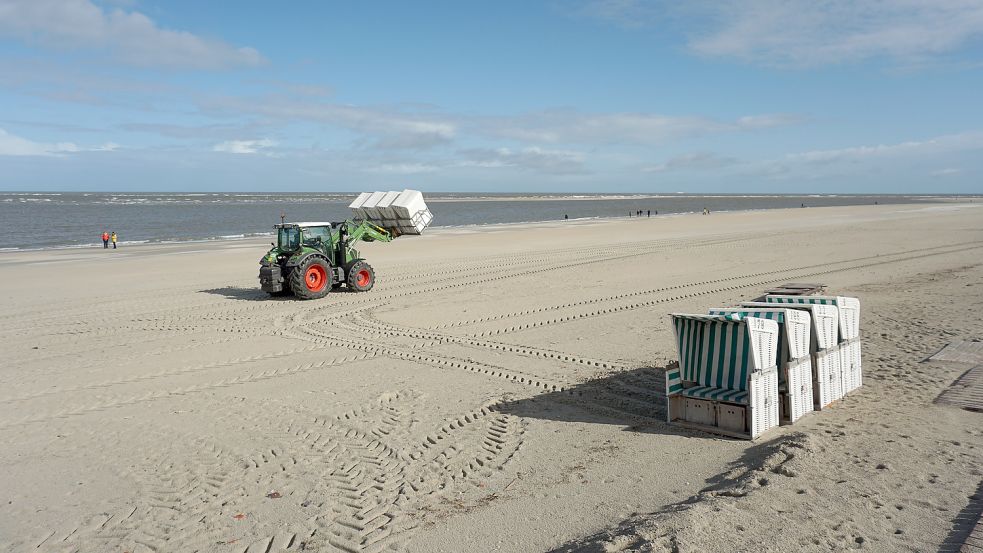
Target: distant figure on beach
{"type": "Point", "coordinates": [565, 216]}
{"type": "Point", "coordinates": [706, 211]}
{"type": "Point", "coordinates": [650, 212]}
{"type": "Point", "coordinates": [803, 205]}
{"type": "Point", "coordinates": [105, 240]}
{"type": "Point", "coordinates": [114, 239]}
{"type": "Point", "coordinates": [629, 214]}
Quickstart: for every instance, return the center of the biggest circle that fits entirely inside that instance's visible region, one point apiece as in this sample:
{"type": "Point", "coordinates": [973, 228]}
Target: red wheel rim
{"type": "Point", "coordinates": [315, 278]}
{"type": "Point", "coordinates": [363, 277]}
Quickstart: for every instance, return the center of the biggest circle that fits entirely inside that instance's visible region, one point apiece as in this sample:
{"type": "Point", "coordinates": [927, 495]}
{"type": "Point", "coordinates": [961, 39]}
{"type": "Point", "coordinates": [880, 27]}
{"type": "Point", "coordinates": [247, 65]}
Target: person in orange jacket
{"type": "Point", "coordinates": [105, 240]}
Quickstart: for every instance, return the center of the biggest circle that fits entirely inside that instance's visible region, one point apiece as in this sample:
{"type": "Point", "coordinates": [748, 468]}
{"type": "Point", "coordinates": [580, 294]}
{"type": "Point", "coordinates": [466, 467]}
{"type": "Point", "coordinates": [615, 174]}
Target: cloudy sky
{"type": "Point", "coordinates": [596, 96]}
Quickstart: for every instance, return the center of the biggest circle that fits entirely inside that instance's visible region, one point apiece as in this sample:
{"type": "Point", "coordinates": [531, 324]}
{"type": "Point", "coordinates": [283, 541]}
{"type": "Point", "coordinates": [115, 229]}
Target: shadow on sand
{"type": "Point", "coordinates": [732, 482]}
{"type": "Point", "coordinates": [244, 294]}
{"type": "Point", "coordinates": [255, 294]}
{"type": "Point", "coordinates": [634, 399]}
{"type": "Point", "coordinates": [965, 521]}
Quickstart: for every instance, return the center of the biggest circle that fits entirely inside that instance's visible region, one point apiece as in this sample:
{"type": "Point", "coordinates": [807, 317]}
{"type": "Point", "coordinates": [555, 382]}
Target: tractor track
{"type": "Point", "coordinates": [102, 404]}
{"type": "Point", "coordinates": [618, 404]}
{"type": "Point", "coordinates": [358, 492]}
{"type": "Point", "coordinates": [363, 324]}
{"type": "Point", "coordinates": [784, 274]}
{"type": "Point", "coordinates": [161, 374]}
{"type": "Point", "coordinates": [507, 264]}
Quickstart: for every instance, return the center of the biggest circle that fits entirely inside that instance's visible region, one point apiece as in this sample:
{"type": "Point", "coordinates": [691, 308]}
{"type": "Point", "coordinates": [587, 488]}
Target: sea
{"type": "Point", "coordinates": [49, 220]}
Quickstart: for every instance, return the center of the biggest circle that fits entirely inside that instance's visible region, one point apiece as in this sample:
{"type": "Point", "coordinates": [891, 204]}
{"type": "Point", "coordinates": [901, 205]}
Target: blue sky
{"type": "Point", "coordinates": [593, 96]}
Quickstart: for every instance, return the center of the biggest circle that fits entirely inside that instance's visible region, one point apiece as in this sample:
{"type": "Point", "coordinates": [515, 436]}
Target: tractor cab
{"type": "Point", "coordinates": [291, 236]}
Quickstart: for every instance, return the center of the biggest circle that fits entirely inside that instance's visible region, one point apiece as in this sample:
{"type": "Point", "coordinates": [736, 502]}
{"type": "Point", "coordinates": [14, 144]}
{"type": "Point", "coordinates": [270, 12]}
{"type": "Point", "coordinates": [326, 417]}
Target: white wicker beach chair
{"type": "Point", "coordinates": [727, 378]}
{"type": "Point", "coordinates": [794, 359]}
{"type": "Point", "coordinates": [851, 372]}
{"type": "Point", "coordinates": [824, 348]}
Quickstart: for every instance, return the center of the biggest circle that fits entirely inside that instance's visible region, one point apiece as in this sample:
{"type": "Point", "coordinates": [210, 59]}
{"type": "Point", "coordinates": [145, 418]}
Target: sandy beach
{"type": "Point", "coordinates": [500, 389]}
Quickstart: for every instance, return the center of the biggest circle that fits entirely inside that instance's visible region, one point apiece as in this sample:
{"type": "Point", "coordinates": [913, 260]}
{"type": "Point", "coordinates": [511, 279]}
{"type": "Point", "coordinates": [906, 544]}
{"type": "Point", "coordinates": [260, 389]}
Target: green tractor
{"type": "Point", "coordinates": [312, 259]}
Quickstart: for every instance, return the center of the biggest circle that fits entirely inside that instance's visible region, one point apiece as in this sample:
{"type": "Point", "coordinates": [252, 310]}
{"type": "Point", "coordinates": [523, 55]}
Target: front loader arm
{"type": "Point", "coordinates": [367, 231]}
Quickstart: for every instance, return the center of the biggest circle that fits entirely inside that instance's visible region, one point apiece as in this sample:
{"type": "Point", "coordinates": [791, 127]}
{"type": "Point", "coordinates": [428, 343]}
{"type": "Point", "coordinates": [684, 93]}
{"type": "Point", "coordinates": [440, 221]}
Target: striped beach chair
{"type": "Point", "coordinates": [851, 371]}
{"type": "Point", "coordinates": [824, 349]}
{"type": "Point", "coordinates": [727, 377]}
{"type": "Point", "coordinates": [794, 359]}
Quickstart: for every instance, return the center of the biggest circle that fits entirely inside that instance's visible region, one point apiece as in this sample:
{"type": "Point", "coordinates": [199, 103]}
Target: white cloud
{"type": "Point", "coordinates": [574, 127]}
{"type": "Point", "coordinates": [13, 145]}
{"type": "Point", "coordinates": [797, 33]}
{"type": "Point", "coordinates": [244, 146]}
{"type": "Point", "coordinates": [947, 172]}
{"type": "Point", "coordinates": [404, 168]}
{"type": "Point", "coordinates": [131, 37]}
{"type": "Point", "coordinates": [902, 156]}
{"type": "Point", "coordinates": [554, 162]}
{"type": "Point", "coordinates": [697, 161]}
{"type": "Point", "coordinates": [971, 140]}
{"type": "Point", "coordinates": [768, 120]}
{"type": "Point", "coordinates": [806, 33]}
{"type": "Point", "coordinates": [390, 128]}
{"type": "Point", "coordinates": [395, 128]}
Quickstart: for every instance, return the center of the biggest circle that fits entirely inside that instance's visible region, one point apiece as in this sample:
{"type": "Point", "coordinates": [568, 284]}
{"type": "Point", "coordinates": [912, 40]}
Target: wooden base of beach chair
{"type": "Point", "coordinates": [716, 417]}
{"type": "Point", "coordinates": [827, 383]}
{"type": "Point", "coordinates": [747, 421]}
{"type": "Point", "coordinates": [712, 430]}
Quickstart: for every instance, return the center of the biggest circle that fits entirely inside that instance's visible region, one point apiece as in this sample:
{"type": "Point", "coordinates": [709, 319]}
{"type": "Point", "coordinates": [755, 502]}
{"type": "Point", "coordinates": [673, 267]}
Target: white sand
{"type": "Point", "coordinates": [499, 390]}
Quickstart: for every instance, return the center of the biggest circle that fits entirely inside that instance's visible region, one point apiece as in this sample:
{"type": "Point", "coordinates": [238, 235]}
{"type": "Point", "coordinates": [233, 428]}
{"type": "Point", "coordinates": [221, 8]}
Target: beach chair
{"type": "Point", "coordinates": [794, 360]}
{"type": "Point", "coordinates": [851, 372]}
{"type": "Point", "coordinates": [727, 377]}
{"type": "Point", "coordinates": [824, 350]}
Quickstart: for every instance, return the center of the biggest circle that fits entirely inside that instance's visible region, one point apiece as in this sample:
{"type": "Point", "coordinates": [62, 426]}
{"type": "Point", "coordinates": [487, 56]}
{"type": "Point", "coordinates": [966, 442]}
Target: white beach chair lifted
{"type": "Point", "coordinates": [848, 349]}
{"type": "Point", "coordinates": [727, 378]}
{"type": "Point", "coordinates": [399, 212]}
{"type": "Point", "coordinates": [794, 360]}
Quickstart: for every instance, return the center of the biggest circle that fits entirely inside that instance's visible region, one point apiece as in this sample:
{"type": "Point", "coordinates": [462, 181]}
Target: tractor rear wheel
{"type": "Point", "coordinates": [361, 277]}
{"type": "Point", "coordinates": [312, 278]}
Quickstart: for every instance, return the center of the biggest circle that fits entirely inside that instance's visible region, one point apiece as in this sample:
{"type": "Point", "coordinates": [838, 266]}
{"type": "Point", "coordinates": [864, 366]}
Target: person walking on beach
{"type": "Point", "coordinates": [105, 240]}
{"type": "Point", "coordinates": [650, 213]}
{"type": "Point", "coordinates": [114, 239]}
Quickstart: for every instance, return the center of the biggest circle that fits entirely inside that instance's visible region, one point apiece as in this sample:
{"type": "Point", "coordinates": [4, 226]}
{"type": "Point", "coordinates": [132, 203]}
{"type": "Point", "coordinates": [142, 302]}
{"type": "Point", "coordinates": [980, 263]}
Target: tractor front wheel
{"type": "Point", "coordinates": [361, 277]}
{"type": "Point", "coordinates": [311, 279]}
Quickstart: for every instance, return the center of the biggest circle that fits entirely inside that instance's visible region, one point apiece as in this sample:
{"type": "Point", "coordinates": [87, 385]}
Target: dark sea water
{"type": "Point", "coordinates": [33, 220]}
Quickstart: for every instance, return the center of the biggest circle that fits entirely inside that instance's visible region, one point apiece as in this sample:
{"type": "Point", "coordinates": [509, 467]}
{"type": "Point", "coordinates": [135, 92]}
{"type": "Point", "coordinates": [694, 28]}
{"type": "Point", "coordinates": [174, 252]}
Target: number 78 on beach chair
{"type": "Point", "coordinates": [727, 377]}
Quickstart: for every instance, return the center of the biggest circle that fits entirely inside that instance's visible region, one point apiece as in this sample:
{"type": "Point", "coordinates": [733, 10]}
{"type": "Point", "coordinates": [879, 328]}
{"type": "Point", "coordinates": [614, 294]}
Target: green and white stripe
{"type": "Point", "coordinates": [793, 332]}
{"type": "Point", "coordinates": [713, 351]}
{"type": "Point", "coordinates": [718, 394]}
{"type": "Point", "coordinates": [849, 310]}
{"type": "Point", "coordinates": [717, 355]}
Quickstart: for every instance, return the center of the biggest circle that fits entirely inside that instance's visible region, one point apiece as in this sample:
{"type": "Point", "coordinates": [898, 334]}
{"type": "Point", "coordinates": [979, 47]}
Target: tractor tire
{"type": "Point", "coordinates": [361, 277]}
{"type": "Point", "coordinates": [311, 279]}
